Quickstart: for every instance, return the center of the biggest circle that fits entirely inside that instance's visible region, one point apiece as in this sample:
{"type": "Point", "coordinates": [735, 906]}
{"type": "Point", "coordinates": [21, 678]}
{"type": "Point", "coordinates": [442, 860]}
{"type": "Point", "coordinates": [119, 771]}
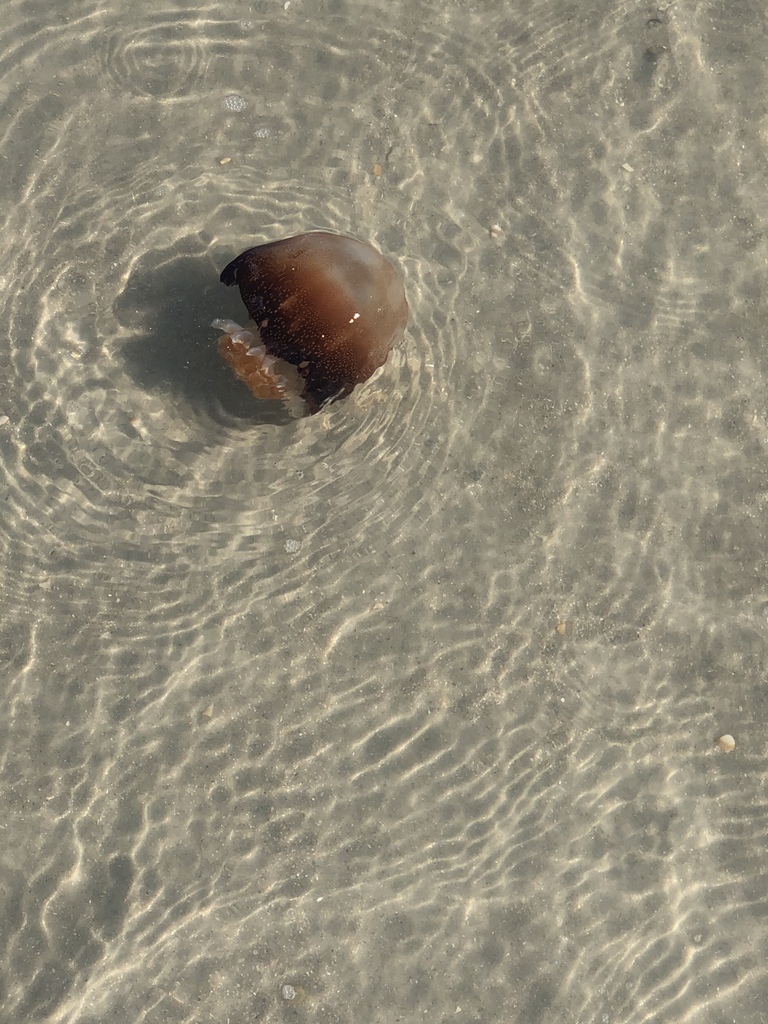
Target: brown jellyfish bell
{"type": "Point", "coordinates": [325, 312]}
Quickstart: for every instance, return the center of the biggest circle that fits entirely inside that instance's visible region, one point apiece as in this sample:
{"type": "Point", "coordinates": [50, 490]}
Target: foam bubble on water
{"type": "Point", "coordinates": [235, 103]}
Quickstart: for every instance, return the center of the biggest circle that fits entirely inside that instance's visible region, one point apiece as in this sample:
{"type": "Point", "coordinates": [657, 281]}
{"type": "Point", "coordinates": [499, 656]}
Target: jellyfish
{"type": "Point", "coordinates": [325, 311]}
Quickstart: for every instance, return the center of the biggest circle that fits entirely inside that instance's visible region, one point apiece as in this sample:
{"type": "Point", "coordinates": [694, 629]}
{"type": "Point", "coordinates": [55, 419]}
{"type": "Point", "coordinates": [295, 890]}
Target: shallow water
{"type": "Point", "coordinates": [408, 706]}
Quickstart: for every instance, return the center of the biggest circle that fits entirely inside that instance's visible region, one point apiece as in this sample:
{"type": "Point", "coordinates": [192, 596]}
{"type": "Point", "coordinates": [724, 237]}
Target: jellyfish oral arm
{"type": "Point", "coordinates": [267, 376]}
{"type": "Point", "coordinates": [237, 333]}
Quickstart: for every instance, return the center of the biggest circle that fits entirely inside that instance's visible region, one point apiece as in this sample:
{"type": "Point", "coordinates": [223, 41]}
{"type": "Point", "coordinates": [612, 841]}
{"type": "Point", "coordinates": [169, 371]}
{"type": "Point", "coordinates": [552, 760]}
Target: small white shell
{"type": "Point", "coordinates": [726, 743]}
{"type": "Point", "coordinates": [235, 103]}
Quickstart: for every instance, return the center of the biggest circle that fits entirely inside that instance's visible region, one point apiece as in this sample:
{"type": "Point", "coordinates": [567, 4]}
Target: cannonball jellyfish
{"type": "Point", "coordinates": [325, 311]}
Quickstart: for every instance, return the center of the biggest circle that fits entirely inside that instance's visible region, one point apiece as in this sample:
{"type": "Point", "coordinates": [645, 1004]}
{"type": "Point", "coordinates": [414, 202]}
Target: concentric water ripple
{"type": "Point", "coordinates": [126, 409]}
{"type": "Point", "coordinates": [131, 436]}
{"type": "Point", "coordinates": [169, 54]}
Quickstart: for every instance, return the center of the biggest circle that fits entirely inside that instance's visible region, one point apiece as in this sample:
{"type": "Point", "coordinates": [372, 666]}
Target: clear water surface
{"type": "Point", "coordinates": [405, 711]}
